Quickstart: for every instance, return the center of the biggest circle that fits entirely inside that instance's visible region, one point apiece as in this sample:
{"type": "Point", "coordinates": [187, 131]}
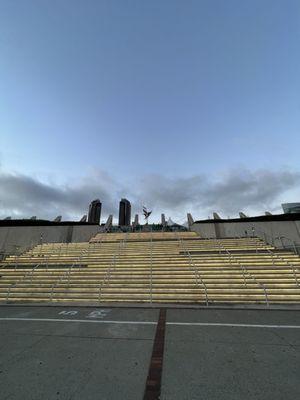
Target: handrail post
{"type": "Point", "coordinates": [13, 285]}
{"type": "Point", "coordinates": [113, 262]}
{"type": "Point", "coordinates": [295, 248]}
{"type": "Point", "coordinates": [47, 265]}
{"type": "Point", "coordinates": [67, 273]}
{"type": "Point", "coordinates": [244, 269]}
{"type": "Point", "coordinates": [282, 244]}
{"type": "Point", "coordinates": [265, 290]}
{"type": "Point", "coordinates": [230, 256]}
{"type": "Point", "coordinates": [196, 271]}
{"type": "Point", "coordinates": [259, 284]}
{"type": "Point", "coordinates": [288, 263]}
{"type": "Point", "coordinates": [16, 257]}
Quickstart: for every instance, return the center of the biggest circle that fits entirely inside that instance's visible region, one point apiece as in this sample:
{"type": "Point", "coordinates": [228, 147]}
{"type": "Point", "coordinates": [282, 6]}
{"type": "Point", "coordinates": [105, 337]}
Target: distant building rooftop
{"type": "Point", "coordinates": [39, 222]}
{"type": "Point", "coordinates": [291, 208]}
{"type": "Point", "coordinates": [278, 217]}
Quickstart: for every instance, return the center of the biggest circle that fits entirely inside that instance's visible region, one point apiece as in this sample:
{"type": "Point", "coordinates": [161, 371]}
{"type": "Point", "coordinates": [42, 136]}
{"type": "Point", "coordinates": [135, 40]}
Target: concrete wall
{"type": "Point", "coordinates": [84, 233]}
{"type": "Point", "coordinates": [267, 230]}
{"type": "Point", "coordinates": [21, 237]}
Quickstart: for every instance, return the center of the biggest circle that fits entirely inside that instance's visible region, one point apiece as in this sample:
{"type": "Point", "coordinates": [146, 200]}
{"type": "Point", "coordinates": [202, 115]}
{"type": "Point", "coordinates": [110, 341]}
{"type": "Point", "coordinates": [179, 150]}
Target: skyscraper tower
{"type": "Point", "coordinates": [95, 211]}
{"type": "Point", "coordinates": [124, 213]}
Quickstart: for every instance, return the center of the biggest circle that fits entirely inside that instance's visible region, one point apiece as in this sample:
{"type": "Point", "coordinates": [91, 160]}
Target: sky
{"type": "Point", "coordinates": [178, 105]}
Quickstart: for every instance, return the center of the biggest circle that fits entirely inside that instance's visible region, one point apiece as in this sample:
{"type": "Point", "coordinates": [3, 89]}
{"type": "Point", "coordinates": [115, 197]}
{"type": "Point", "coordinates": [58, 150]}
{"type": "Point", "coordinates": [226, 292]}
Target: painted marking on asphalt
{"type": "Point", "coordinates": [151, 323]}
{"type": "Point", "coordinates": [68, 312]}
{"type": "Point", "coordinates": [93, 314]}
{"type": "Point", "coordinates": [79, 320]}
{"type": "Point", "coordinates": [233, 325]}
{"type": "Point", "coordinates": [99, 313]}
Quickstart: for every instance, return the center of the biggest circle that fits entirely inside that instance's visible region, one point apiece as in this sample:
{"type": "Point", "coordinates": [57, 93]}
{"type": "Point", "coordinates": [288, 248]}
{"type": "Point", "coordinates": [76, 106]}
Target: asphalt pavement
{"type": "Point", "coordinates": [105, 353]}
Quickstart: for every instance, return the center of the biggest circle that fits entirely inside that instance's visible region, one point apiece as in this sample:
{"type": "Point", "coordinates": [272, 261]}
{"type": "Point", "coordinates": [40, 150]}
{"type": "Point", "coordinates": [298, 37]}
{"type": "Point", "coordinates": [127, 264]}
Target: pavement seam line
{"type": "Point", "coordinates": [153, 382]}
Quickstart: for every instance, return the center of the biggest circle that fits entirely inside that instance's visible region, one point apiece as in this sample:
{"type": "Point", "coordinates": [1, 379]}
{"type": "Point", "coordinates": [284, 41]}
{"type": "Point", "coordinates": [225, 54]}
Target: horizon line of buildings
{"type": "Point", "coordinates": [95, 208]}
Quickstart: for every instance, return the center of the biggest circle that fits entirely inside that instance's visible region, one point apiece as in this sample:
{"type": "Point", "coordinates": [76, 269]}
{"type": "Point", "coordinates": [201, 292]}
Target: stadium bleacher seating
{"type": "Point", "coordinates": [153, 267]}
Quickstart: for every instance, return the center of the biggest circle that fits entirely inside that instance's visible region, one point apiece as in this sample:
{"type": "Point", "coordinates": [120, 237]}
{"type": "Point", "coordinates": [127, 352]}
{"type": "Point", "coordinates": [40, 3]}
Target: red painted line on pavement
{"type": "Point", "coordinates": [153, 383]}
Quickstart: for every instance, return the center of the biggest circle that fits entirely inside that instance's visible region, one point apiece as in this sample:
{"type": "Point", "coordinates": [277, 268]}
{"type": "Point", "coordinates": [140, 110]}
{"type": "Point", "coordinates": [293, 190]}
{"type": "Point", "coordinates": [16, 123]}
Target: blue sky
{"type": "Point", "coordinates": [164, 102]}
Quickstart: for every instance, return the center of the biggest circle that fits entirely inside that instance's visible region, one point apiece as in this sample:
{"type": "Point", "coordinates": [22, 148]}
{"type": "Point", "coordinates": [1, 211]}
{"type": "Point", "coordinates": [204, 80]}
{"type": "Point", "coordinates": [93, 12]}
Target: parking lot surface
{"type": "Point", "coordinates": [108, 353]}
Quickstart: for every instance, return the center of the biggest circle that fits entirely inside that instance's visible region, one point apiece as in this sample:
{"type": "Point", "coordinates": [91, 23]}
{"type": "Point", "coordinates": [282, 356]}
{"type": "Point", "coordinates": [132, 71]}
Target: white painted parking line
{"type": "Point", "coordinates": [152, 323]}
{"type": "Point", "coordinates": [79, 320]}
{"type": "Point", "coordinates": [233, 325]}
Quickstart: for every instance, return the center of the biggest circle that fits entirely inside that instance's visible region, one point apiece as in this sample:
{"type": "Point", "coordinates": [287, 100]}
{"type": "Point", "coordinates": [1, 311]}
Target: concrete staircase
{"type": "Point", "coordinates": [160, 267]}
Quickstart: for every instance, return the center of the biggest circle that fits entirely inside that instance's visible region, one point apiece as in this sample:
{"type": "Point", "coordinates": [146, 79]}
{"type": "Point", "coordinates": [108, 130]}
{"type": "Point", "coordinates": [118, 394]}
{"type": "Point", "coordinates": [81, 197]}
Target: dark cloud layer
{"type": "Point", "coordinates": [230, 193]}
{"type": "Point", "coordinates": [24, 196]}
{"type": "Point", "coordinates": [237, 190]}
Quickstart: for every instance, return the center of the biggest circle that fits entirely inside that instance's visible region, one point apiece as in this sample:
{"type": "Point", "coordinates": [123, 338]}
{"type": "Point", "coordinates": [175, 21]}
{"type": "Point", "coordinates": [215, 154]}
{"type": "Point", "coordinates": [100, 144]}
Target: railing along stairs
{"type": "Point", "coordinates": [193, 267]}
{"type": "Point", "coordinates": [244, 269]}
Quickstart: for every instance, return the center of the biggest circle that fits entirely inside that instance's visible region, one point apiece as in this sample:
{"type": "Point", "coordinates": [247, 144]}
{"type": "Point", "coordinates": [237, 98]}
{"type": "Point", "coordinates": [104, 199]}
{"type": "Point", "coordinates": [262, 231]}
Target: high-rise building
{"type": "Point", "coordinates": [124, 213]}
{"type": "Point", "coordinates": [95, 211]}
{"type": "Point", "coordinates": [136, 220]}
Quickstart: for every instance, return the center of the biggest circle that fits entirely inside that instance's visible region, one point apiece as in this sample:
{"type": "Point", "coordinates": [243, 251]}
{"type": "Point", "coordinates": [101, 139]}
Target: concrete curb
{"type": "Point", "coordinates": [262, 307]}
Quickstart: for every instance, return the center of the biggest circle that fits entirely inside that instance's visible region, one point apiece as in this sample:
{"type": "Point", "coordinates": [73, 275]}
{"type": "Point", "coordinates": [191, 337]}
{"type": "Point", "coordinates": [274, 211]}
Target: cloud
{"type": "Point", "coordinates": [23, 196]}
{"type": "Point", "coordinates": [227, 193]}
{"type": "Point", "coordinates": [175, 192]}
{"type": "Point", "coordinates": [252, 190]}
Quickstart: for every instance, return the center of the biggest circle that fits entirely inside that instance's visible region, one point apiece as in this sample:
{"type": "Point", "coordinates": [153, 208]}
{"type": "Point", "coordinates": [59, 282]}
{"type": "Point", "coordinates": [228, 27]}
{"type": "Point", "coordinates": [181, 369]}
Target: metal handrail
{"type": "Point", "coordinates": [24, 277]}
{"type": "Point", "coordinates": [281, 258]}
{"type": "Point", "coordinates": [287, 238]}
{"type": "Point", "coordinates": [92, 248]}
{"type": "Point", "coordinates": [230, 260]}
{"type": "Point", "coordinates": [2, 256]}
{"type": "Point", "coordinates": [259, 283]}
{"type": "Point", "coordinates": [113, 262]}
{"type": "Point", "coordinates": [192, 264]}
{"type": "Point", "coordinates": [245, 270]}
{"type": "Point", "coordinates": [13, 285]}
{"type": "Point", "coordinates": [48, 259]}
{"type": "Point", "coordinates": [15, 255]}
{"type": "Point", "coordinates": [287, 262]}
{"type": "Point", "coordinates": [68, 272]}
{"type": "Point", "coordinates": [273, 240]}
{"type": "Point", "coordinates": [3, 259]}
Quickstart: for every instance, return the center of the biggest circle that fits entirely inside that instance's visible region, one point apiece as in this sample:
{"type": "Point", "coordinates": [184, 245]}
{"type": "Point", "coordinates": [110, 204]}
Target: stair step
{"type": "Point", "coordinates": [117, 270]}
